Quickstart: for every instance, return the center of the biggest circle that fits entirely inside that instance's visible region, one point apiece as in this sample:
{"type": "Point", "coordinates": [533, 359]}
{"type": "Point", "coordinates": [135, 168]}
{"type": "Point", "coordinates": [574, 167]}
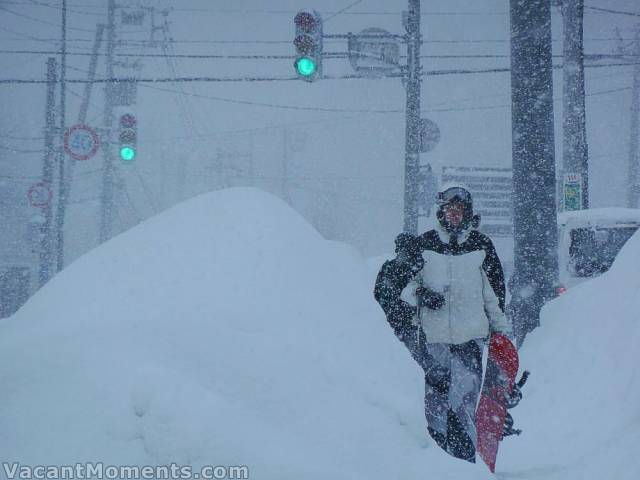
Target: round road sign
{"type": "Point", "coordinates": [40, 195]}
{"type": "Point", "coordinates": [429, 135]}
{"type": "Point", "coordinates": [81, 142]}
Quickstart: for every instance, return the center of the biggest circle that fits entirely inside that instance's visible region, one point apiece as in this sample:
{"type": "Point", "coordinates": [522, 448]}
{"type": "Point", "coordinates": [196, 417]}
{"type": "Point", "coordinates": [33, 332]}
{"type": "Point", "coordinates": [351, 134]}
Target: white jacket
{"type": "Point", "coordinates": [470, 277]}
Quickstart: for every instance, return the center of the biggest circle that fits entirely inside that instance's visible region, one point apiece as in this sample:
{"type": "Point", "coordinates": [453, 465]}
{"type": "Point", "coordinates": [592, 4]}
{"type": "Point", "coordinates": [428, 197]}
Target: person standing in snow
{"type": "Point", "coordinates": [443, 295]}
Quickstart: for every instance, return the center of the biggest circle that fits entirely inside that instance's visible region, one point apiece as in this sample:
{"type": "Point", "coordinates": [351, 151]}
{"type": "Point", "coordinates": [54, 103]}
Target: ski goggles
{"type": "Point", "coordinates": [453, 193]}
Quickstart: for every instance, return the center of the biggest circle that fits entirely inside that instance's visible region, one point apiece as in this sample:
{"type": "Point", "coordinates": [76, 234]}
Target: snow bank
{"type": "Point", "coordinates": [581, 412]}
{"type": "Point", "coordinates": [225, 331]}
{"type": "Point", "coordinates": [597, 217]}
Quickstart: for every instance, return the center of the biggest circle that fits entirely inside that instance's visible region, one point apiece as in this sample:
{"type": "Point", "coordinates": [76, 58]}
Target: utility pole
{"type": "Point", "coordinates": [82, 116]}
{"type": "Point", "coordinates": [574, 145]}
{"type": "Point", "coordinates": [535, 217]}
{"type": "Point", "coordinates": [285, 167]}
{"type": "Point", "coordinates": [46, 242]}
{"type": "Point", "coordinates": [62, 193]}
{"type": "Point", "coordinates": [107, 204]}
{"type": "Point", "coordinates": [633, 193]}
{"type": "Point", "coordinates": [412, 132]}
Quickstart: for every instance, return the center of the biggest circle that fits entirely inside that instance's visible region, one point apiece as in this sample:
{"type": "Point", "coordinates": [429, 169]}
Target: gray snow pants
{"type": "Point", "coordinates": [450, 413]}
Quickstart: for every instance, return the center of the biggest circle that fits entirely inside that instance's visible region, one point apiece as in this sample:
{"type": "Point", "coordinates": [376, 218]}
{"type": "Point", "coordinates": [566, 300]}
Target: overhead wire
{"type": "Point", "coordinates": [587, 56]}
{"type": "Point", "coordinates": [38, 20]}
{"type": "Point", "coordinates": [608, 10]}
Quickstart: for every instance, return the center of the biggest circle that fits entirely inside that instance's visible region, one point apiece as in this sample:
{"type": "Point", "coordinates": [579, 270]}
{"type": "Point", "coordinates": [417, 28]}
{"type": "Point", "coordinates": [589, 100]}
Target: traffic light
{"type": "Point", "coordinates": [308, 43]}
{"type": "Point", "coordinates": [127, 137]}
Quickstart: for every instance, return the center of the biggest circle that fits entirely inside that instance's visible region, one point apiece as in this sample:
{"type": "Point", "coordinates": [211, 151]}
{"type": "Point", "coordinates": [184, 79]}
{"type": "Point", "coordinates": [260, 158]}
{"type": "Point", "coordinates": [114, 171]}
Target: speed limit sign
{"type": "Point", "coordinates": [81, 142]}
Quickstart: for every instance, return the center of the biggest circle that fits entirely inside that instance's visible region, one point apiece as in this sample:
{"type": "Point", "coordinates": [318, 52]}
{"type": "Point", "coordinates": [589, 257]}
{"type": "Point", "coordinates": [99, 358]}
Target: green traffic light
{"type": "Point", "coordinates": [306, 66]}
{"type": "Point", "coordinates": [127, 154]}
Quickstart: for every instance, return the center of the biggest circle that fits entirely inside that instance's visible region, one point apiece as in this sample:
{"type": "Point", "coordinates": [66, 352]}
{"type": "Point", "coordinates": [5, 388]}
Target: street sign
{"type": "Point", "coordinates": [81, 142]}
{"type": "Point", "coordinates": [124, 93]}
{"type": "Point", "coordinates": [572, 191]}
{"type": "Point", "coordinates": [428, 188]}
{"type": "Point", "coordinates": [39, 195]}
{"type": "Point", "coordinates": [429, 135]}
{"type": "Point", "coordinates": [135, 18]}
{"type": "Point", "coordinates": [491, 189]}
{"type": "Point", "coordinates": [374, 52]}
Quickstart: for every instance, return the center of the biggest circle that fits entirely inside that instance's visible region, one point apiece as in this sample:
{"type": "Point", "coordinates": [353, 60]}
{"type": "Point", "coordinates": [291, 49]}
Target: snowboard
{"type": "Point", "coordinates": [499, 378]}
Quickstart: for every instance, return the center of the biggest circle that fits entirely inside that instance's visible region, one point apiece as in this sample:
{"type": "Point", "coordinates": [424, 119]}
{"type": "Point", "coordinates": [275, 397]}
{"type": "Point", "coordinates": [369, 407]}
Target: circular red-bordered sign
{"type": "Point", "coordinates": [81, 142]}
{"type": "Point", "coordinates": [40, 195]}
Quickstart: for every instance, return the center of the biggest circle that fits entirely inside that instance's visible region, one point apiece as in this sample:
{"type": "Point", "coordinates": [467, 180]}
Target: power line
{"type": "Point", "coordinates": [19, 150]}
{"type": "Point", "coordinates": [156, 80]}
{"type": "Point", "coordinates": [343, 10]}
{"type": "Point", "coordinates": [283, 107]}
{"type": "Point", "coordinates": [191, 79]}
{"type": "Point", "coordinates": [25, 35]}
{"type": "Point", "coordinates": [159, 55]}
{"type": "Point", "coordinates": [55, 7]}
{"type": "Point", "coordinates": [275, 79]}
{"type": "Point", "coordinates": [329, 13]}
{"type": "Point", "coordinates": [286, 12]}
{"type": "Point", "coordinates": [143, 43]}
{"type": "Point", "coordinates": [13, 137]}
{"type": "Point", "coordinates": [588, 56]}
{"type": "Point", "coordinates": [607, 10]}
{"type": "Point", "coordinates": [33, 19]}
{"type": "Point", "coordinates": [359, 111]}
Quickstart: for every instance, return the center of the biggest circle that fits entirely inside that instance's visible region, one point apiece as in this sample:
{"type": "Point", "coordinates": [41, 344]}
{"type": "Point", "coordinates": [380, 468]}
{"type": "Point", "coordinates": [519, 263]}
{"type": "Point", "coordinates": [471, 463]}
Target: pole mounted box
{"type": "Point", "coordinates": [308, 43]}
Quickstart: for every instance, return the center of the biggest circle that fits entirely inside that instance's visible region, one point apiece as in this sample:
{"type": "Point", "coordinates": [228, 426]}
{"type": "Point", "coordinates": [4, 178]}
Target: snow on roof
{"type": "Point", "coordinates": [598, 217]}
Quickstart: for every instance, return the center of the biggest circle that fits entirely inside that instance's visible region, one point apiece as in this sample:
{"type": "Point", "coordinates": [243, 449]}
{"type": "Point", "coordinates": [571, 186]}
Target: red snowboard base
{"type": "Point", "coordinates": [500, 375]}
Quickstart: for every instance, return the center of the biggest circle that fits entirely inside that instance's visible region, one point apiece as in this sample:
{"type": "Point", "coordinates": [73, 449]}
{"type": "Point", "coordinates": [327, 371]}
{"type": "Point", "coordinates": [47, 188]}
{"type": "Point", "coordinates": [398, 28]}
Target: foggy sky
{"type": "Point", "coordinates": [346, 174]}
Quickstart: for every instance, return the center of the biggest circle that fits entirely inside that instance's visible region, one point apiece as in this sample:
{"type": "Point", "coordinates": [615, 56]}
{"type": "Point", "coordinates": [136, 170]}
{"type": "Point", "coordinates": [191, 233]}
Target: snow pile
{"type": "Point", "coordinates": [598, 217]}
{"type": "Point", "coordinates": [225, 331]}
{"type": "Point", "coordinates": [581, 412]}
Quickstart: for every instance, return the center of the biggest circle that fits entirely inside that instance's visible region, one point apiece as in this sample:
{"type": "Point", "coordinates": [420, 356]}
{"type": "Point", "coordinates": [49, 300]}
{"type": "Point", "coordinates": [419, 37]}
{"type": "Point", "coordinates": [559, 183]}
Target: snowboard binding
{"type": "Point", "coordinates": [512, 400]}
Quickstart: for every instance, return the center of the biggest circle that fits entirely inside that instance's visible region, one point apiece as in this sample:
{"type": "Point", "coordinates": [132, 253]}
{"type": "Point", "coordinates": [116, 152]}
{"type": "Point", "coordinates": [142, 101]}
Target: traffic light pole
{"type": "Point", "coordinates": [62, 191]}
{"type": "Point", "coordinates": [412, 132]}
{"type": "Point", "coordinates": [106, 211]}
{"type": "Point", "coordinates": [633, 193]}
{"type": "Point", "coordinates": [46, 243]}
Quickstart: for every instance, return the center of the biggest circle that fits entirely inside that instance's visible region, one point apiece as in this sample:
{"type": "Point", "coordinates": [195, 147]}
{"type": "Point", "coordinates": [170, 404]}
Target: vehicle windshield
{"type": "Point", "coordinates": [593, 250]}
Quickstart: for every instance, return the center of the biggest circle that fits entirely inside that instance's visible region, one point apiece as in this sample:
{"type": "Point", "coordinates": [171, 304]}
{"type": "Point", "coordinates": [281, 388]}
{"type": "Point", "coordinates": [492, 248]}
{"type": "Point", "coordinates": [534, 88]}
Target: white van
{"type": "Point", "coordinates": [589, 240]}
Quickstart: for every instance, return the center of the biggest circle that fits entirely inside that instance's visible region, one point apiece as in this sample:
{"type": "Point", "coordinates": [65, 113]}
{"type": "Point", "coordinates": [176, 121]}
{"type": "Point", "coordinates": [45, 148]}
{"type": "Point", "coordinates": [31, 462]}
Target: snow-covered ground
{"type": "Point", "coordinates": [227, 331]}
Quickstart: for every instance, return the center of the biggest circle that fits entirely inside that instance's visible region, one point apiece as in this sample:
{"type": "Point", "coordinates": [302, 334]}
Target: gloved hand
{"type": "Point", "coordinates": [400, 317]}
{"type": "Point", "coordinates": [429, 298]}
{"type": "Point", "coordinates": [408, 252]}
{"type": "Point", "coordinates": [439, 378]}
